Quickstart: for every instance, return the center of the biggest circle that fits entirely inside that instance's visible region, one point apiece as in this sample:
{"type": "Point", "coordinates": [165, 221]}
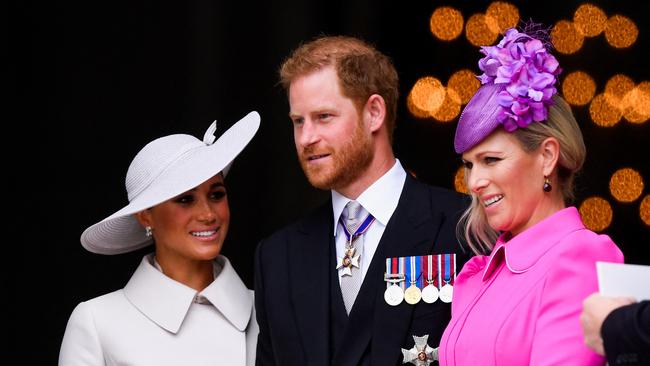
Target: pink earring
{"type": "Point", "coordinates": [148, 231]}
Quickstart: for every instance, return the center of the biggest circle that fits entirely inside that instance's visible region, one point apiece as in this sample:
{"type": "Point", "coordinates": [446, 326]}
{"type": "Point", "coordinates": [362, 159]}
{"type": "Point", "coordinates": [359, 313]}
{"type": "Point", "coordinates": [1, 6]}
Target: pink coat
{"type": "Point", "coordinates": [521, 305]}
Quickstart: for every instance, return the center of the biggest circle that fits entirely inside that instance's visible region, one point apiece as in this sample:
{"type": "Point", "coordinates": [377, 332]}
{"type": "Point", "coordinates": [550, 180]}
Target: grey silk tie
{"type": "Point", "coordinates": [350, 285]}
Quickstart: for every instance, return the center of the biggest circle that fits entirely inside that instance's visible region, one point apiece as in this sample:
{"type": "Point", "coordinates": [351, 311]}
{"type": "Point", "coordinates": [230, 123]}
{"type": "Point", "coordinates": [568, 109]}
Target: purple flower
{"type": "Point", "coordinates": [538, 111]}
{"type": "Point", "coordinates": [505, 99]}
{"type": "Point", "coordinates": [529, 73]}
{"type": "Point", "coordinates": [489, 66]}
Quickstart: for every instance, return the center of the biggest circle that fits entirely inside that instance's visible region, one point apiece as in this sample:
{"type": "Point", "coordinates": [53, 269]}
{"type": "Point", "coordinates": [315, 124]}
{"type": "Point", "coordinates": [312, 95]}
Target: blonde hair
{"type": "Point", "coordinates": [560, 124]}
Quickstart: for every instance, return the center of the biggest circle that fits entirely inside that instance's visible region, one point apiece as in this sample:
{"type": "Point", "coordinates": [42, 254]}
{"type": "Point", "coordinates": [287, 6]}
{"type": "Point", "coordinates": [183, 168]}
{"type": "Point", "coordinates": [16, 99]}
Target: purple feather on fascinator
{"type": "Point", "coordinates": [518, 83]}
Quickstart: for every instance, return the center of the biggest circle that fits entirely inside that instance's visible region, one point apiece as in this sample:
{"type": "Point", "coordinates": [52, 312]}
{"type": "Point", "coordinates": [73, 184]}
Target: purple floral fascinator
{"type": "Point", "coordinates": [519, 77]}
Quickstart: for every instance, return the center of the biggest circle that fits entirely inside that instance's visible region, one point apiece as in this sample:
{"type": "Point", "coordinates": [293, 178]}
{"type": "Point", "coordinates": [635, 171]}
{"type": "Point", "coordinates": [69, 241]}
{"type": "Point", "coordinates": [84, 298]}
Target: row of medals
{"type": "Point", "coordinates": [394, 295]}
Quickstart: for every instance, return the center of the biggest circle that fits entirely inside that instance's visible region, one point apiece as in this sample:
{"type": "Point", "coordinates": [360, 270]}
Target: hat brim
{"type": "Point", "coordinates": [122, 233]}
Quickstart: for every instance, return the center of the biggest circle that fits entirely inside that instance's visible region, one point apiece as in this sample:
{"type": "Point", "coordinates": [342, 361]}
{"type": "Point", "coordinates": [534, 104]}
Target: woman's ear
{"type": "Point", "coordinates": [550, 149]}
{"type": "Point", "coordinates": [375, 111]}
{"type": "Point", "coordinates": [143, 217]}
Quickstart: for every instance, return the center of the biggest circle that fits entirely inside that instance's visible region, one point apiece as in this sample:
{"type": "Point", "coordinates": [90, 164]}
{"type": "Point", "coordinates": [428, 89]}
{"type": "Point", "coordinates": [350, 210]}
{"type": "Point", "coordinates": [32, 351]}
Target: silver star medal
{"type": "Point", "coordinates": [421, 354]}
{"type": "Point", "coordinates": [348, 261]}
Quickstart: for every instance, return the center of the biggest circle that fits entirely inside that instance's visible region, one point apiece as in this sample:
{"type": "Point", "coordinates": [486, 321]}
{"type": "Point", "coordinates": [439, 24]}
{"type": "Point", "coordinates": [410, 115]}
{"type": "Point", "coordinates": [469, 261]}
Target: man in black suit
{"type": "Point", "coordinates": [319, 283]}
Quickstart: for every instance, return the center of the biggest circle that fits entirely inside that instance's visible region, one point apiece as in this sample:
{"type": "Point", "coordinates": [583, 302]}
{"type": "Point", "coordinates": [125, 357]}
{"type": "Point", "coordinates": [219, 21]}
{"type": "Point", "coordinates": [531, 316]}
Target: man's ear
{"type": "Point", "coordinates": [375, 112]}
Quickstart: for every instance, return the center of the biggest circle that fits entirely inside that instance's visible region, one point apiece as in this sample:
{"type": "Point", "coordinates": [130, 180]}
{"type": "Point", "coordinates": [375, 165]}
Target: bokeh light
{"type": "Point", "coordinates": [578, 88]}
{"type": "Point", "coordinates": [603, 113]}
{"type": "Point", "coordinates": [478, 32]}
{"type": "Point", "coordinates": [449, 109]}
{"type": "Point", "coordinates": [637, 103]}
{"type": "Point", "coordinates": [446, 23]}
{"type": "Point", "coordinates": [426, 97]}
{"type": "Point", "coordinates": [644, 210]}
{"type": "Point", "coordinates": [616, 88]}
{"type": "Point", "coordinates": [589, 20]}
{"type": "Point", "coordinates": [459, 181]}
{"type": "Point", "coordinates": [465, 84]}
{"type": "Point", "coordinates": [566, 38]}
{"type": "Point", "coordinates": [620, 31]}
{"type": "Point", "coordinates": [596, 213]}
{"type": "Point", "coordinates": [626, 185]}
{"type": "Point", "coordinates": [505, 14]}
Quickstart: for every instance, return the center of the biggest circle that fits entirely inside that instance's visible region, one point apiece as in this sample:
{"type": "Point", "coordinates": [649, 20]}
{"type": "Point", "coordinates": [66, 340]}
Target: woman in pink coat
{"type": "Point", "coordinates": [521, 147]}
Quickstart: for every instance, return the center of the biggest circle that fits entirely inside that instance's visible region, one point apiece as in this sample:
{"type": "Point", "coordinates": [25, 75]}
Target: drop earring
{"type": "Point", "coordinates": [547, 185]}
{"type": "Point", "coordinates": [148, 231]}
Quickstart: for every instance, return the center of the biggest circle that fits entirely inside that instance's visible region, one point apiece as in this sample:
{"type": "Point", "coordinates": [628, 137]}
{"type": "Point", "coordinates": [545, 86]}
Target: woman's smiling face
{"type": "Point", "coordinates": [507, 180]}
{"type": "Point", "coordinates": [193, 225]}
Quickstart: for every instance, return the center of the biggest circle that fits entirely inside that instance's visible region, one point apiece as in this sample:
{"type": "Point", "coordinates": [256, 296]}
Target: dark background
{"type": "Point", "coordinates": [90, 83]}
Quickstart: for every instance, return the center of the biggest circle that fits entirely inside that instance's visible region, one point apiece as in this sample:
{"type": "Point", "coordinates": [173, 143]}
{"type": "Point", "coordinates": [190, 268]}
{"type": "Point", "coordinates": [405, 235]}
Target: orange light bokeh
{"type": "Point", "coordinates": [626, 185]}
{"type": "Point", "coordinates": [465, 84]}
{"type": "Point", "coordinates": [578, 88]}
{"type": "Point", "coordinates": [414, 110]}
{"type": "Point", "coordinates": [446, 23]}
{"type": "Point", "coordinates": [644, 210]}
{"type": "Point", "coordinates": [426, 97]}
{"type": "Point", "coordinates": [616, 88]}
{"type": "Point", "coordinates": [566, 38]}
{"type": "Point", "coordinates": [449, 108]}
{"type": "Point", "coordinates": [589, 20]}
{"type": "Point", "coordinates": [478, 32]}
{"type": "Point", "coordinates": [621, 31]}
{"type": "Point", "coordinates": [596, 213]}
{"type": "Point", "coordinates": [505, 14]}
{"type": "Point", "coordinates": [459, 181]}
{"type": "Point", "coordinates": [636, 103]}
{"type": "Point", "coordinates": [603, 113]}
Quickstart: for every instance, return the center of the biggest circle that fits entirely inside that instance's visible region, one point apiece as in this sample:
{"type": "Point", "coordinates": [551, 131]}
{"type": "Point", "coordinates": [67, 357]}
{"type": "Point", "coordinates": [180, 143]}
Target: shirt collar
{"type": "Point", "coordinates": [380, 199]}
{"type": "Point", "coordinates": [524, 250]}
{"type": "Point", "coordinates": [166, 301]}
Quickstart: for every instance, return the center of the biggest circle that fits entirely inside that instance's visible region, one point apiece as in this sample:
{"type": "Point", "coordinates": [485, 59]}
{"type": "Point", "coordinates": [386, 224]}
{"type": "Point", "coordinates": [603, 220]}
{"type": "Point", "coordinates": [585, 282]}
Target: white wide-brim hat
{"type": "Point", "coordinates": [163, 169]}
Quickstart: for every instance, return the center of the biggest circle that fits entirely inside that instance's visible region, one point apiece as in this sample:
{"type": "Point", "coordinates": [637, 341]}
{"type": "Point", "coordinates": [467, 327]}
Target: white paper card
{"type": "Point", "coordinates": [619, 279]}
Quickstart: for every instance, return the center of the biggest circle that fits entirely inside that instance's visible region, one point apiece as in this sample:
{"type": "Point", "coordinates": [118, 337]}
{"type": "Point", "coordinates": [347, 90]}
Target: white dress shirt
{"type": "Point", "coordinates": [380, 200]}
{"type": "Point", "coordinates": [155, 320]}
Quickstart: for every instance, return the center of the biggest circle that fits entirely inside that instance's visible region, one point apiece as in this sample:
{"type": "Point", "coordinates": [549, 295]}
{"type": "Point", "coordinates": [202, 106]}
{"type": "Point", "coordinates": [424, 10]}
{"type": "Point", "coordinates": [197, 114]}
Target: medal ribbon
{"type": "Point", "coordinates": [360, 230]}
{"type": "Point", "coordinates": [430, 266]}
{"type": "Point", "coordinates": [402, 271]}
{"type": "Point", "coordinates": [413, 267]}
{"type": "Point", "coordinates": [426, 262]}
{"type": "Point", "coordinates": [391, 268]}
{"type": "Point", "coordinates": [439, 260]}
{"type": "Point", "coordinates": [395, 266]}
{"type": "Point", "coordinates": [453, 260]}
{"type": "Point", "coordinates": [447, 268]}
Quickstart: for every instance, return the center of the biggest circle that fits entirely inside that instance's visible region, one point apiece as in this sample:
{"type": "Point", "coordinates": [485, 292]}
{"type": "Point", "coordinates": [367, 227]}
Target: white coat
{"type": "Point", "coordinates": [154, 320]}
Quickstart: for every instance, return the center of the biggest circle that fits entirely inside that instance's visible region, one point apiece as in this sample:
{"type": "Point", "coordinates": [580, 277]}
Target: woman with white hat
{"type": "Point", "coordinates": [185, 304]}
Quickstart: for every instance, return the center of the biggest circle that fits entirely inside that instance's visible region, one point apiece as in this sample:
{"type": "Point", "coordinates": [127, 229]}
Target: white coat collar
{"type": "Point", "coordinates": [166, 301]}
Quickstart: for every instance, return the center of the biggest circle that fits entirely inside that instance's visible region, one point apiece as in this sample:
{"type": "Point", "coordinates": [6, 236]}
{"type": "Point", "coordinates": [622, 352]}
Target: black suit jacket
{"type": "Point", "coordinates": [293, 274]}
{"type": "Point", "coordinates": [626, 335]}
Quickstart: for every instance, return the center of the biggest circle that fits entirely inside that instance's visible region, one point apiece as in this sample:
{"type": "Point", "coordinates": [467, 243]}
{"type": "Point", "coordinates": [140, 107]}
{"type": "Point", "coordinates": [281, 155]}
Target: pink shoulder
{"type": "Point", "coordinates": [474, 266]}
{"type": "Point", "coordinates": [588, 245]}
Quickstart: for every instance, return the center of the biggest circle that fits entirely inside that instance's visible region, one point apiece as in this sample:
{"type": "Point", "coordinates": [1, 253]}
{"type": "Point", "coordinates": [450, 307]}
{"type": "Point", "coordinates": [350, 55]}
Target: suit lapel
{"type": "Point", "coordinates": [410, 231]}
{"type": "Point", "coordinates": [309, 283]}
